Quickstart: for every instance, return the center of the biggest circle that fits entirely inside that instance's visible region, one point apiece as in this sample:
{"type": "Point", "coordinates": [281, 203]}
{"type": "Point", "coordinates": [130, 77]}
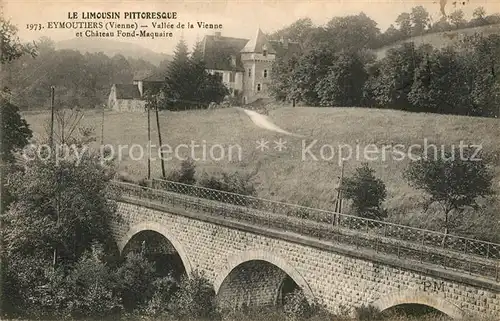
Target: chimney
{"type": "Point", "coordinates": [217, 34]}
{"type": "Point", "coordinates": [285, 43]}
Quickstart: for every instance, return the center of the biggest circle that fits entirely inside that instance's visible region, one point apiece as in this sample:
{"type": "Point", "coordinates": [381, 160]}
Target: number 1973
{"type": "Point", "coordinates": [34, 26]}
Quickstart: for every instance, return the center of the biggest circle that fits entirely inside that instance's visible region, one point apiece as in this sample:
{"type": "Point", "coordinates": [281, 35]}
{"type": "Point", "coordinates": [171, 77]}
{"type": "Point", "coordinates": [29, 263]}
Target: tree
{"type": "Point", "coordinates": [395, 74]}
{"type": "Point", "coordinates": [354, 32]}
{"type": "Point", "coordinates": [441, 84]}
{"type": "Point", "coordinates": [419, 19]}
{"type": "Point", "coordinates": [297, 31]}
{"type": "Point", "coordinates": [177, 82]}
{"type": "Point", "coordinates": [136, 276]}
{"type": "Point", "coordinates": [309, 70]}
{"type": "Point", "coordinates": [441, 25]}
{"type": "Point", "coordinates": [457, 19]}
{"type": "Point", "coordinates": [479, 13]}
{"type": "Point", "coordinates": [282, 85]}
{"type": "Point", "coordinates": [343, 85]}
{"type": "Point", "coordinates": [195, 298]}
{"type": "Point", "coordinates": [15, 134]}
{"type": "Point", "coordinates": [403, 21]}
{"type": "Point", "coordinates": [10, 46]}
{"type": "Point", "coordinates": [15, 131]}
{"type": "Point", "coordinates": [59, 203]}
{"type": "Point", "coordinates": [452, 181]}
{"type": "Point", "coordinates": [366, 192]}
{"type": "Point", "coordinates": [390, 36]}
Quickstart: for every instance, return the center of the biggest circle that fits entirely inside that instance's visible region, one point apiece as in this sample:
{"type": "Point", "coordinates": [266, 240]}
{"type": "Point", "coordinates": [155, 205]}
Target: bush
{"type": "Point", "coordinates": [366, 192]}
{"type": "Point", "coordinates": [195, 299]}
{"type": "Point", "coordinates": [368, 313]}
{"type": "Point", "coordinates": [164, 290]}
{"type": "Point", "coordinates": [296, 306]}
{"type": "Point", "coordinates": [238, 183]}
{"type": "Point", "coordinates": [89, 288]}
{"type": "Point", "coordinates": [136, 277]}
{"type": "Point", "coordinates": [186, 173]}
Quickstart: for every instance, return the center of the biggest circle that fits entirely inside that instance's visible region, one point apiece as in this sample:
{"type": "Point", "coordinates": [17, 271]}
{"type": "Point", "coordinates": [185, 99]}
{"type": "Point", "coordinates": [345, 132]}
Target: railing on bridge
{"type": "Point", "coordinates": [449, 251]}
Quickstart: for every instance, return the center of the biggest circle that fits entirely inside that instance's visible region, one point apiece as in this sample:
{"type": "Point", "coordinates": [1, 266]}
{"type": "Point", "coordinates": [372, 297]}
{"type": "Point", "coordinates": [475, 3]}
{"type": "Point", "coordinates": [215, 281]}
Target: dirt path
{"type": "Point", "coordinates": [263, 121]}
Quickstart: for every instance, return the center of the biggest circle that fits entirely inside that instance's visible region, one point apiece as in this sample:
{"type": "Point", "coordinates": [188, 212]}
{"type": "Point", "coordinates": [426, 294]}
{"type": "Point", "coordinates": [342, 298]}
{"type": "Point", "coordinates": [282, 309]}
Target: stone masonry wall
{"type": "Point", "coordinates": [331, 278]}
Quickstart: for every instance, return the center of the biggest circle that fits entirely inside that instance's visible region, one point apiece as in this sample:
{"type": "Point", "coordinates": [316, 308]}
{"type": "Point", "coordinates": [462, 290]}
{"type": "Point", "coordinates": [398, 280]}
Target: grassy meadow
{"type": "Point", "coordinates": [284, 175]}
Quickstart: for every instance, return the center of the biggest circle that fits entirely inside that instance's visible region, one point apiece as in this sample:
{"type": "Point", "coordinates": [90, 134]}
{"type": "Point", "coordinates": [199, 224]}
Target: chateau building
{"type": "Point", "coordinates": [245, 64]}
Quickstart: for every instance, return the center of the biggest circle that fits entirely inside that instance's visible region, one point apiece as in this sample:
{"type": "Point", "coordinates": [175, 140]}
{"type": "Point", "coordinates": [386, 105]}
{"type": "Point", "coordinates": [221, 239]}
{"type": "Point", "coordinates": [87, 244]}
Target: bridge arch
{"type": "Point", "coordinates": [419, 297]}
{"type": "Point", "coordinates": [161, 229]}
{"type": "Point", "coordinates": [242, 261]}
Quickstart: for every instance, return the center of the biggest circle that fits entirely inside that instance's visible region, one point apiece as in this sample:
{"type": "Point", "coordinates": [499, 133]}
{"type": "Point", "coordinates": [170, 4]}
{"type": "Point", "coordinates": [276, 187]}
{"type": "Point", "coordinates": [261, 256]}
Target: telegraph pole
{"type": "Point", "coordinates": [149, 142]}
{"type": "Point", "coordinates": [159, 140]}
{"type": "Point", "coordinates": [52, 150]}
{"type": "Point", "coordinates": [51, 141]}
{"type": "Point", "coordinates": [102, 125]}
{"type": "Point", "coordinates": [338, 202]}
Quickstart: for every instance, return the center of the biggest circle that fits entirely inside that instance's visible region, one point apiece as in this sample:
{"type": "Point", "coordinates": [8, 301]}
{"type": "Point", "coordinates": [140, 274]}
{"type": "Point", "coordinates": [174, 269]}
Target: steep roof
{"type": "Point", "coordinates": [218, 52]}
{"type": "Point", "coordinates": [257, 43]}
{"type": "Point", "coordinates": [281, 50]}
{"type": "Point", "coordinates": [155, 77]}
{"type": "Point", "coordinates": [127, 91]}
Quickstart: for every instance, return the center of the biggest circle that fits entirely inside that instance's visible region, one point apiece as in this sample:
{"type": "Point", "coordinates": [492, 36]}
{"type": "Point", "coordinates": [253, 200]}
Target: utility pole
{"type": "Point", "coordinates": [51, 141]}
{"type": "Point", "coordinates": [338, 202]}
{"type": "Point", "coordinates": [159, 140]}
{"type": "Point", "coordinates": [102, 125]}
{"type": "Point", "coordinates": [52, 150]}
{"type": "Point", "coordinates": [149, 142]}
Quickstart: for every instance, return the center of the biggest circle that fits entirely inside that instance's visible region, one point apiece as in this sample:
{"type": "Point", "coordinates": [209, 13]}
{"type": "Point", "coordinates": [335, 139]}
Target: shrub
{"type": "Point", "coordinates": [89, 288]}
{"type": "Point", "coordinates": [164, 290]}
{"type": "Point", "coordinates": [195, 298]}
{"type": "Point", "coordinates": [366, 192]}
{"type": "Point", "coordinates": [238, 183]}
{"type": "Point", "coordinates": [186, 173]}
{"type": "Point", "coordinates": [136, 277]}
{"type": "Point", "coordinates": [30, 287]}
{"type": "Point", "coordinates": [296, 306]}
{"type": "Point", "coordinates": [368, 313]}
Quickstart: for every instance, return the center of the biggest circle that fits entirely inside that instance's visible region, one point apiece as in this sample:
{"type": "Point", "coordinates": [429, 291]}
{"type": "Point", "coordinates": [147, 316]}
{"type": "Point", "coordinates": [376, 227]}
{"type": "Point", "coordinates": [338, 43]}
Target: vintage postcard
{"type": "Point", "coordinates": [250, 160]}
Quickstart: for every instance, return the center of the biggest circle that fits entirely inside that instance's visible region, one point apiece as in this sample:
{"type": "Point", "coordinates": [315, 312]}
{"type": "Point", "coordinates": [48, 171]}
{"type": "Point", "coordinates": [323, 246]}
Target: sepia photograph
{"type": "Point", "coordinates": [237, 160]}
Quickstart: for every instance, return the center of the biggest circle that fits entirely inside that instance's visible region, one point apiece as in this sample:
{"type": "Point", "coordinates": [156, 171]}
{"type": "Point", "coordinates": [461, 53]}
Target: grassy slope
{"type": "Point", "coordinates": [441, 39]}
{"type": "Point", "coordinates": [283, 175]}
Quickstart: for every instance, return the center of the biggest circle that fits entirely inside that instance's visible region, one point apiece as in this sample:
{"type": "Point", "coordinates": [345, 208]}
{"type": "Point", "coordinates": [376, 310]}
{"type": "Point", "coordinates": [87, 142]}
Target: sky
{"type": "Point", "coordinates": [239, 18]}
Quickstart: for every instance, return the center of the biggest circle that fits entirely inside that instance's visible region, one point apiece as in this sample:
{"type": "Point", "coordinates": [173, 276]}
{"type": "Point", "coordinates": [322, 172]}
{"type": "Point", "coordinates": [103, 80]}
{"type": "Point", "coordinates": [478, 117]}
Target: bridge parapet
{"type": "Point", "coordinates": [447, 251]}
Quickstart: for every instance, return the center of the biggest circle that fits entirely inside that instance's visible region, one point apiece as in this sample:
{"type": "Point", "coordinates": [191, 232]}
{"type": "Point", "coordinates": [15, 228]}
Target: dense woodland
{"type": "Point", "coordinates": [81, 79]}
{"type": "Point", "coordinates": [337, 67]}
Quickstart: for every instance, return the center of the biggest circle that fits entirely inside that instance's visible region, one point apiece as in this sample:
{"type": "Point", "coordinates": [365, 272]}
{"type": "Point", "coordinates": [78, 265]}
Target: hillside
{"type": "Point", "coordinates": [284, 175]}
{"type": "Point", "coordinates": [113, 47]}
{"type": "Point", "coordinates": [441, 39]}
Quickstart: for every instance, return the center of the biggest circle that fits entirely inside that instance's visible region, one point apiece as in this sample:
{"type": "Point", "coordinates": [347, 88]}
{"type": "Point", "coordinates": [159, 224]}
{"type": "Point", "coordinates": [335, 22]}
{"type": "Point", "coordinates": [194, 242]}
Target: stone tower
{"type": "Point", "coordinates": [257, 58]}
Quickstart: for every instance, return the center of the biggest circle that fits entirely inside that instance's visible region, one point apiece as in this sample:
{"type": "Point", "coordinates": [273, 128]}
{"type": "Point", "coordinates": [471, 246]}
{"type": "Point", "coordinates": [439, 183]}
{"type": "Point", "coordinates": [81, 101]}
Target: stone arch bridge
{"type": "Point", "coordinates": [250, 255]}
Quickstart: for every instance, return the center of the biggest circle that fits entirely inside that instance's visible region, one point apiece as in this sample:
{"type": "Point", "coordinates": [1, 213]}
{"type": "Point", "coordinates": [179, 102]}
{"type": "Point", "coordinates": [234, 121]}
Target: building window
{"type": "Point", "coordinates": [219, 75]}
{"type": "Point", "coordinates": [258, 87]}
{"type": "Point", "coordinates": [231, 76]}
{"type": "Point", "coordinates": [265, 73]}
{"type": "Point", "coordinates": [264, 52]}
{"type": "Point", "coordinates": [249, 72]}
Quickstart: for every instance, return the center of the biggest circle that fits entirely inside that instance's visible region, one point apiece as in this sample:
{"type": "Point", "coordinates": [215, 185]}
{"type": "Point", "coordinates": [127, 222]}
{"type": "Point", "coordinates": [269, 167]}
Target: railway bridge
{"type": "Point", "coordinates": [254, 250]}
